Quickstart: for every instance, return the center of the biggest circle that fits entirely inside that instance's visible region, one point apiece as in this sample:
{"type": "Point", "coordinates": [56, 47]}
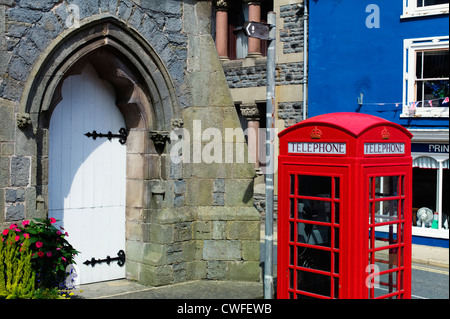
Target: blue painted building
{"type": "Point", "coordinates": [390, 59]}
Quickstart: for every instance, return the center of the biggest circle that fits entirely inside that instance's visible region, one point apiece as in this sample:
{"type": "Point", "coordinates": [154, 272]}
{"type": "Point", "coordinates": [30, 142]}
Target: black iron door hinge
{"type": "Point", "coordinates": [122, 136]}
{"type": "Point", "coordinates": [120, 260]}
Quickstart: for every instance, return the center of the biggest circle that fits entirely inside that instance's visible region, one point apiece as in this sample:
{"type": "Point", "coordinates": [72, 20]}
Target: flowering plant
{"type": "Point", "coordinates": [51, 252]}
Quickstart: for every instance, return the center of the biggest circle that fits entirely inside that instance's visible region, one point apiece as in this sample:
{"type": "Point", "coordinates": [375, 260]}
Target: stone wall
{"type": "Point", "coordinates": [291, 34]}
{"type": "Point", "coordinates": [239, 76]}
{"type": "Point", "coordinates": [185, 221]}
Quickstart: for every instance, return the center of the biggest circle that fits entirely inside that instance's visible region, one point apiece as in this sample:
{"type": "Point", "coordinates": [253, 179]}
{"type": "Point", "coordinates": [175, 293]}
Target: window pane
{"type": "Point", "coordinates": [314, 259]}
{"type": "Point", "coordinates": [315, 210]}
{"type": "Point", "coordinates": [292, 208]}
{"type": "Point", "coordinates": [317, 186]}
{"type": "Point", "coordinates": [431, 2]}
{"type": "Point", "coordinates": [386, 235]}
{"type": "Point", "coordinates": [435, 64]}
{"type": "Point", "coordinates": [386, 211]}
{"type": "Point", "coordinates": [313, 234]}
{"type": "Point", "coordinates": [386, 186]}
{"type": "Point", "coordinates": [336, 213]}
{"type": "Point", "coordinates": [292, 184]}
{"type": "Point", "coordinates": [337, 187]}
{"type": "Point", "coordinates": [419, 57]}
{"type": "Point", "coordinates": [314, 283]}
{"type": "Point", "coordinates": [437, 89]}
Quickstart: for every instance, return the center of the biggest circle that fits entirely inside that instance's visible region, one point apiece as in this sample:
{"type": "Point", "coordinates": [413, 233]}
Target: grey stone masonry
{"type": "Point", "coordinates": [290, 112]}
{"type": "Point", "coordinates": [291, 34]}
{"type": "Point", "coordinates": [255, 76]}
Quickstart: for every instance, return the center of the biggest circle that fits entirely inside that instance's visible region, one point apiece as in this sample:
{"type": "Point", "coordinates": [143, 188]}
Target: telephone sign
{"type": "Point", "coordinates": [344, 208]}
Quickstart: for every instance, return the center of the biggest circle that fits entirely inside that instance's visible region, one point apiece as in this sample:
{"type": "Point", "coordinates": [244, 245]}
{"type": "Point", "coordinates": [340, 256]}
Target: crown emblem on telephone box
{"type": "Point", "coordinates": [316, 134]}
{"type": "Point", "coordinates": [385, 134]}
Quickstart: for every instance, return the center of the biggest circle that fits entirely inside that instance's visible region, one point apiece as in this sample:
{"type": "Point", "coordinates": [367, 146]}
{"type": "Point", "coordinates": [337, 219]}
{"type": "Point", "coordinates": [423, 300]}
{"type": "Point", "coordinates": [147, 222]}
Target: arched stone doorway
{"type": "Point", "coordinates": [145, 97]}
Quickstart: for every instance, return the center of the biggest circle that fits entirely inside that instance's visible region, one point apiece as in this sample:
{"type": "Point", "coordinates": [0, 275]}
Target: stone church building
{"type": "Point", "coordinates": [94, 97]}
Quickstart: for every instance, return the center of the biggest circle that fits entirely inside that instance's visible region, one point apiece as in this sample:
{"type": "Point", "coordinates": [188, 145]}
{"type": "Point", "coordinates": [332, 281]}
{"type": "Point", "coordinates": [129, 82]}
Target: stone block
{"type": "Point", "coordinates": [4, 171]}
{"type": "Point", "coordinates": [23, 14]}
{"type": "Point", "coordinates": [196, 270]}
{"type": "Point", "coordinates": [243, 230]}
{"type": "Point", "coordinates": [216, 213]}
{"type": "Point", "coordinates": [15, 212]}
{"type": "Point", "coordinates": [192, 250]}
{"type": "Point", "coordinates": [7, 149]}
{"type": "Point", "coordinates": [15, 195]}
{"type": "Point", "coordinates": [161, 234]}
{"type": "Point", "coordinates": [179, 187]}
{"type": "Point", "coordinates": [251, 250]}
{"type": "Point", "coordinates": [154, 254]}
{"type": "Point", "coordinates": [201, 230]}
{"type": "Point", "coordinates": [243, 271]}
{"type": "Point", "coordinates": [239, 192]}
{"type": "Point", "coordinates": [222, 250]}
{"type": "Point", "coordinates": [174, 254]}
{"type": "Point", "coordinates": [134, 230]}
{"type": "Point", "coordinates": [218, 199]}
{"type": "Point", "coordinates": [216, 270]}
{"type": "Point", "coordinates": [135, 193]}
{"type": "Point", "coordinates": [219, 229]}
{"type": "Point", "coordinates": [183, 232]}
{"type": "Point", "coordinates": [219, 185]}
{"type": "Point", "coordinates": [2, 205]}
{"type": "Point", "coordinates": [155, 275]}
{"type": "Point", "coordinates": [20, 171]}
{"type": "Point", "coordinates": [7, 123]}
{"type": "Point", "coordinates": [198, 192]}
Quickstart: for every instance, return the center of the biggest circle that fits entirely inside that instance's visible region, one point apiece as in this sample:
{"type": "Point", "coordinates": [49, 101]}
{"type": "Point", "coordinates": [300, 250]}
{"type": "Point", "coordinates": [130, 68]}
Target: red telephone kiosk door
{"type": "Point", "coordinates": [311, 231]}
{"type": "Point", "coordinates": [344, 204]}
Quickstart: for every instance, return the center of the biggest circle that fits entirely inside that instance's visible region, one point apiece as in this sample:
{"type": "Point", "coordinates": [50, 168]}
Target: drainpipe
{"type": "Point", "coordinates": [304, 6]}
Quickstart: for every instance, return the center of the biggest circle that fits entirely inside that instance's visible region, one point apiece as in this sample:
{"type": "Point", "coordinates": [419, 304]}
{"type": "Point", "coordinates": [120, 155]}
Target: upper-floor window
{"type": "Point", "coordinates": [426, 77]}
{"type": "Point", "coordinates": [414, 8]}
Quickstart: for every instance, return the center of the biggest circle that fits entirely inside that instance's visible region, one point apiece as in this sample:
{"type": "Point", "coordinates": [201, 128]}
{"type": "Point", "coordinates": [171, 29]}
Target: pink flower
{"type": "Point", "coordinates": [25, 223]}
{"type": "Point", "coordinates": [17, 238]}
{"type": "Point", "coordinates": [26, 236]}
{"type": "Point", "coordinates": [52, 220]}
{"type": "Point", "coordinates": [5, 232]}
{"type": "Point", "coordinates": [13, 226]}
{"type": "Point", "coordinates": [39, 244]}
{"type": "Point", "coordinates": [40, 254]}
{"type": "Point", "coordinates": [58, 232]}
{"type": "Point", "coordinates": [49, 254]}
{"type": "Point", "coordinates": [64, 259]}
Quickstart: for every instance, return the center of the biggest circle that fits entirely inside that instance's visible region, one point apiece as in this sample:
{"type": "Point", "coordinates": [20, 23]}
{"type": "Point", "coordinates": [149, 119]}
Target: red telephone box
{"type": "Point", "coordinates": [344, 208]}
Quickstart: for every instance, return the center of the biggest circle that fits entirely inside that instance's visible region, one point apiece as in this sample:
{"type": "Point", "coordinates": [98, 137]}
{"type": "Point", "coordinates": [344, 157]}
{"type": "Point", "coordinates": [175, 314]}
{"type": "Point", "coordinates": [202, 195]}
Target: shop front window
{"type": "Point", "coordinates": [430, 205]}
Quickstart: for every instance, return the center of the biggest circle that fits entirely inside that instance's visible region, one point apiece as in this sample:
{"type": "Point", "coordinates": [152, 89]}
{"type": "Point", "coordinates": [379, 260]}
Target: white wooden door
{"type": "Point", "coordinates": [87, 177]}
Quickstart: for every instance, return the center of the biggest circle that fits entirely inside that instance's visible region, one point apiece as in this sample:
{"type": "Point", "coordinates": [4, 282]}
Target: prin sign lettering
{"type": "Point", "coordinates": [384, 148]}
{"type": "Point", "coordinates": [317, 148]}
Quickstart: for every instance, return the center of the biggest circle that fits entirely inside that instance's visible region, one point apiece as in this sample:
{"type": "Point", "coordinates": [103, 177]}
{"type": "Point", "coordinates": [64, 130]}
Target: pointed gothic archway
{"type": "Point", "coordinates": [144, 94]}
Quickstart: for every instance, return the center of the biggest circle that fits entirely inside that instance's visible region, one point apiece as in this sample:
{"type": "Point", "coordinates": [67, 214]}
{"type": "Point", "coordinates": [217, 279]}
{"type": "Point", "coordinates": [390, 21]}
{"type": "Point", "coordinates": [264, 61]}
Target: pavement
{"type": "Point", "coordinates": [210, 289]}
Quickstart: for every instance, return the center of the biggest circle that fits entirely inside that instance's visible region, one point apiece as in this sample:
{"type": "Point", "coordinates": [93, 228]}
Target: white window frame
{"type": "Point", "coordinates": [410, 9]}
{"type": "Point", "coordinates": [410, 47]}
